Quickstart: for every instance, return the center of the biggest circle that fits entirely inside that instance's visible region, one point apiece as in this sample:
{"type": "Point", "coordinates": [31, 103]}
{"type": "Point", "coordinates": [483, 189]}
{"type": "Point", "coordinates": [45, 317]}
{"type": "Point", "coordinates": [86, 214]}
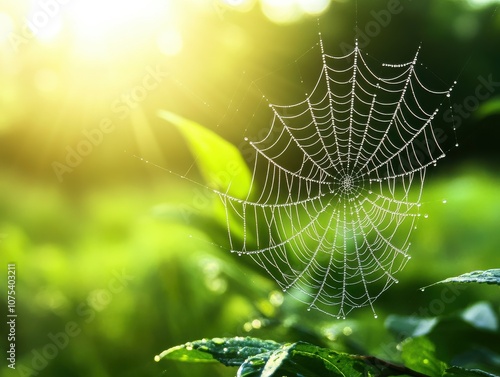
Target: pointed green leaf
{"type": "Point", "coordinates": [462, 372]}
{"type": "Point", "coordinates": [306, 360]}
{"type": "Point", "coordinates": [228, 351]}
{"type": "Point", "coordinates": [486, 277]}
{"type": "Point", "coordinates": [266, 358]}
{"type": "Point", "coordinates": [220, 162]}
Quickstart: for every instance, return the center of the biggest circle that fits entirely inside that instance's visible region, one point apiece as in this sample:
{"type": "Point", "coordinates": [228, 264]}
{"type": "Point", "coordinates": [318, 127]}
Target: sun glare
{"type": "Point", "coordinates": [96, 23]}
{"type": "Point", "coordinates": [6, 26]}
{"type": "Point", "coordinates": [287, 11]}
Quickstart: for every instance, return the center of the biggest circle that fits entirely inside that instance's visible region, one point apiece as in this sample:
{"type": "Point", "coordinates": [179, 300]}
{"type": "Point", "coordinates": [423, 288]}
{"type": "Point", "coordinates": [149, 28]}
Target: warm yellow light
{"type": "Point", "coordinates": [170, 42]}
{"type": "Point", "coordinates": [287, 11]}
{"type": "Point", "coordinates": [281, 11]}
{"type": "Point", "coordinates": [96, 23]}
{"type": "Point", "coordinates": [239, 5]}
{"type": "Point", "coordinates": [313, 7]}
{"type": "Point", "coordinates": [6, 26]}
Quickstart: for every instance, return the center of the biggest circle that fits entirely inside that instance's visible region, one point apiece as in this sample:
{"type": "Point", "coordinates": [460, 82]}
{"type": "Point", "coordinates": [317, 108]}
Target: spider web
{"type": "Point", "coordinates": [337, 183]}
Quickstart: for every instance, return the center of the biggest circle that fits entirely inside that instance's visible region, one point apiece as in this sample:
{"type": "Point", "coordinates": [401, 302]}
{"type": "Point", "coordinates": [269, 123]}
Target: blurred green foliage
{"type": "Point", "coordinates": [122, 260]}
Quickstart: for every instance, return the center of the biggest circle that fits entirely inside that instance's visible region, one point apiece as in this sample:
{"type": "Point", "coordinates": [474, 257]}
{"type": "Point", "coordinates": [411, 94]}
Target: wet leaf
{"type": "Point", "coordinates": [266, 358]}
{"type": "Point", "coordinates": [228, 351]}
{"type": "Point", "coordinates": [482, 277]}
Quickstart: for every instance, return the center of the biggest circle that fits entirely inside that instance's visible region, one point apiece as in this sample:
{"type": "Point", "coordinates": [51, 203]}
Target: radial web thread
{"type": "Point", "coordinates": [337, 183]}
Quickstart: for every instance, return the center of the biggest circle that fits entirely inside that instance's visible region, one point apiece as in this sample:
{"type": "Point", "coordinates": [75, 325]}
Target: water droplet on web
{"type": "Point", "coordinates": [445, 201]}
{"type": "Point", "coordinates": [426, 216]}
{"type": "Point", "coordinates": [375, 316]}
{"type": "Point", "coordinates": [366, 158]}
{"type": "Point", "coordinates": [422, 289]}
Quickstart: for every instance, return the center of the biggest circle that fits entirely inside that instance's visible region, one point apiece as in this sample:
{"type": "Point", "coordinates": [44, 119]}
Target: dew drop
{"type": "Point", "coordinates": [245, 138]}
{"type": "Point", "coordinates": [445, 201]}
{"type": "Point", "coordinates": [308, 309]}
{"type": "Point", "coordinates": [426, 216]}
{"type": "Point", "coordinates": [218, 341]}
{"type": "Point", "coordinates": [375, 316]}
{"type": "Point", "coordinates": [422, 289]}
{"type": "Point", "coordinates": [448, 95]}
{"type": "Point", "coordinates": [456, 145]}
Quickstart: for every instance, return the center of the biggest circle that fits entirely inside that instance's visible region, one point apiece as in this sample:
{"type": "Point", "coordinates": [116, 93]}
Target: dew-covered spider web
{"type": "Point", "coordinates": [337, 182]}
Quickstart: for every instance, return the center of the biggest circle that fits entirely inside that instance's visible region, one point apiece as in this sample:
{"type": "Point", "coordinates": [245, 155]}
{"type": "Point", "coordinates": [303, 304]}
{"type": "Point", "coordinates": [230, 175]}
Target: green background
{"type": "Point", "coordinates": [127, 252]}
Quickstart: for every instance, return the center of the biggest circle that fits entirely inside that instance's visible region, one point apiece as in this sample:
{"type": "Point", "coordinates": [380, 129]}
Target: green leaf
{"type": "Point", "coordinates": [410, 325]}
{"type": "Point", "coordinates": [266, 358]}
{"type": "Point", "coordinates": [220, 162]}
{"type": "Point", "coordinates": [228, 351]}
{"type": "Point", "coordinates": [489, 108]}
{"type": "Point", "coordinates": [418, 354]}
{"type": "Point", "coordinates": [304, 359]}
{"type": "Point", "coordinates": [462, 372]}
{"type": "Point", "coordinates": [486, 277]}
{"type": "Point", "coordinates": [482, 316]}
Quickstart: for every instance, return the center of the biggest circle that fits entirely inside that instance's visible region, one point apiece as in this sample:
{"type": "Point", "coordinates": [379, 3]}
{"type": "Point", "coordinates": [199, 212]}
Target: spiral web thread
{"type": "Point", "coordinates": [337, 183]}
